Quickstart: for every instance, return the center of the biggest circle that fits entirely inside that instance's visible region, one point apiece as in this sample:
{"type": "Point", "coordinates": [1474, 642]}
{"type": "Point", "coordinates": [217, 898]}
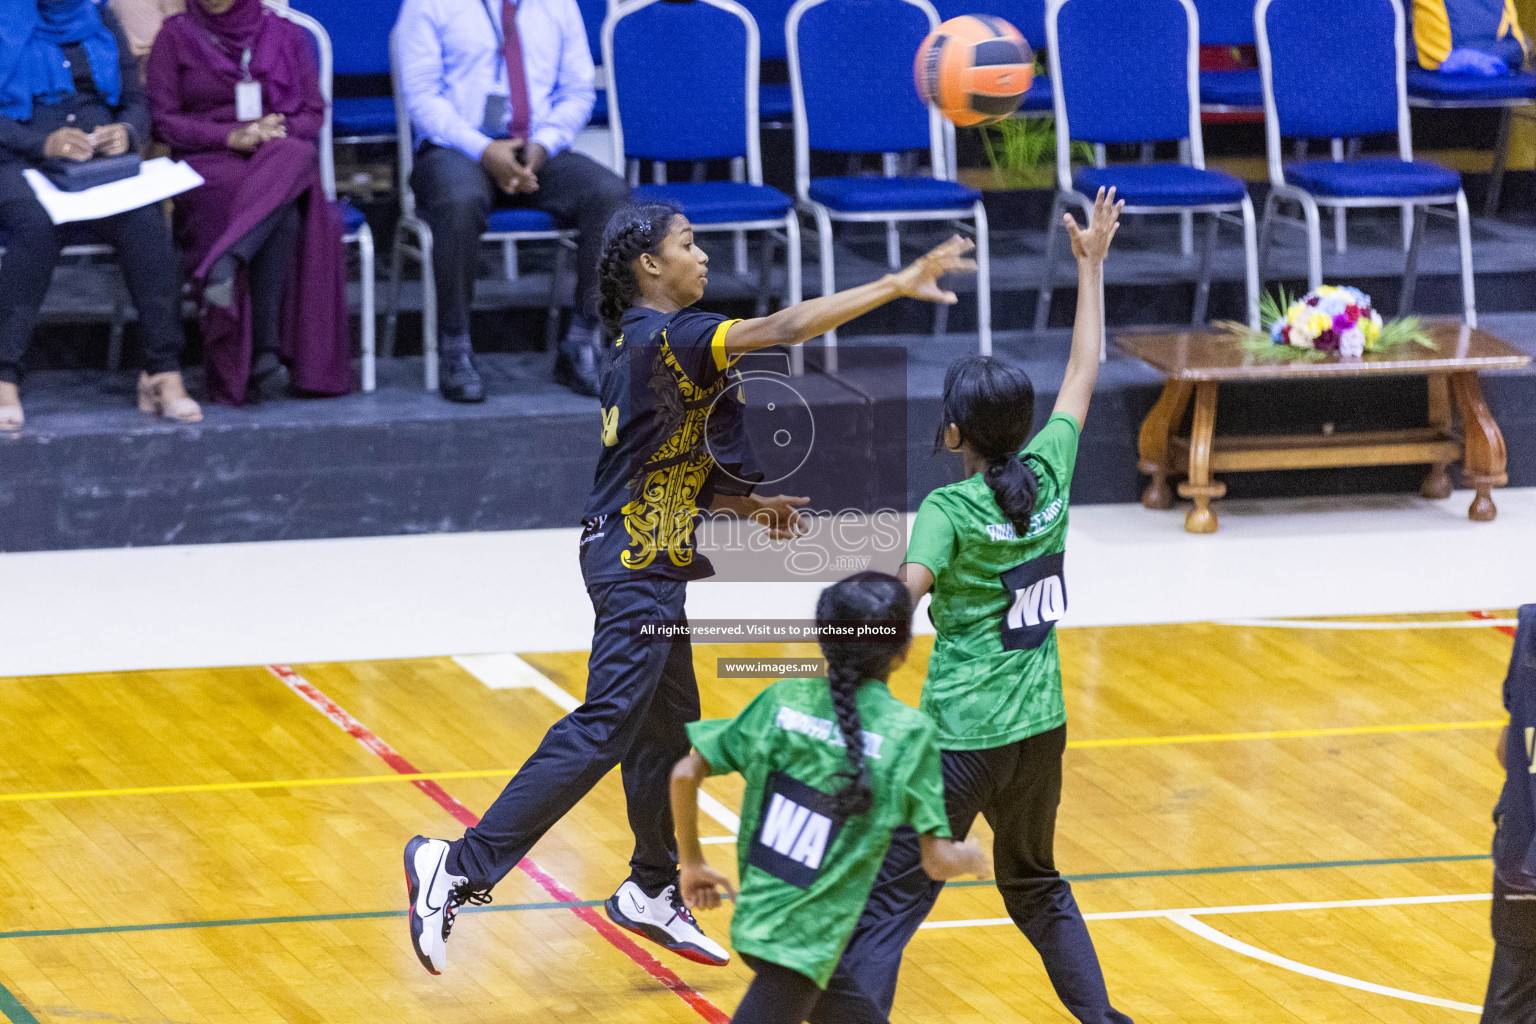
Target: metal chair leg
{"type": "Point", "coordinates": [1266, 231]}
{"type": "Point", "coordinates": [367, 314]}
{"type": "Point", "coordinates": [1500, 157]}
{"type": "Point", "coordinates": [428, 310]}
{"type": "Point", "coordinates": [793, 261]}
{"type": "Point", "coordinates": [1047, 283]}
{"type": "Point", "coordinates": [828, 277]}
{"type": "Point", "coordinates": [983, 280]}
{"type": "Point", "coordinates": [1464, 237]}
{"type": "Point", "coordinates": [1203, 284]}
{"type": "Point", "coordinates": [1314, 243]}
{"type": "Point", "coordinates": [1251, 263]}
{"type": "Point", "coordinates": [1411, 270]}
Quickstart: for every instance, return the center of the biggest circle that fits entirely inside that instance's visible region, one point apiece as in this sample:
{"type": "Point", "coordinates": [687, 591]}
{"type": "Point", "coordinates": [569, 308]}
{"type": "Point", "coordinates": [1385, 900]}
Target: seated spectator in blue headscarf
{"type": "Point", "coordinates": [69, 90]}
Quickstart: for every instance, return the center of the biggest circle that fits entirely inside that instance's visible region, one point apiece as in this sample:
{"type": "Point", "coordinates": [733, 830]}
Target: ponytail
{"type": "Point", "coordinates": [864, 598]}
{"type": "Point", "coordinates": [993, 406]}
{"type": "Point", "coordinates": [632, 232]}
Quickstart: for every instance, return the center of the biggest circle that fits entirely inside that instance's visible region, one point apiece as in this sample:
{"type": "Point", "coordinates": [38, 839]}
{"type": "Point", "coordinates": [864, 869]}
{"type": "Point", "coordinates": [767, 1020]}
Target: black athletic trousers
{"type": "Point", "coordinates": [640, 697]}
{"type": "Point", "coordinates": [1512, 982]}
{"type": "Point", "coordinates": [779, 995]}
{"type": "Point", "coordinates": [1017, 788]}
{"type": "Point", "coordinates": [456, 198]}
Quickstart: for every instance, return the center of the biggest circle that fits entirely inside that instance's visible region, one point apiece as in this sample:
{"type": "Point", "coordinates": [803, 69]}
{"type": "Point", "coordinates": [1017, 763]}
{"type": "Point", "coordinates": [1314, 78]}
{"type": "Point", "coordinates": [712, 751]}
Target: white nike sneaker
{"type": "Point", "coordinates": [435, 897]}
{"type": "Point", "coordinates": [666, 921]}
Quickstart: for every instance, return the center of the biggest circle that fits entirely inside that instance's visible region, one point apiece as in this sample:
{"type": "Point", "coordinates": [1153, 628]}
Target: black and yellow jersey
{"type": "Point", "coordinates": [672, 439]}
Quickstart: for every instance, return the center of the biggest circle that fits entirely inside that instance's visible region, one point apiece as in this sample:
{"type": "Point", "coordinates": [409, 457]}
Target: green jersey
{"type": "Point", "coordinates": [994, 676]}
{"type": "Point", "coordinates": [806, 871]}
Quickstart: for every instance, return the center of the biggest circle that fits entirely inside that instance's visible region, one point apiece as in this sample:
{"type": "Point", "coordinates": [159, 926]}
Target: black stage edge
{"type": "Point", "coordinates": [91, 472]}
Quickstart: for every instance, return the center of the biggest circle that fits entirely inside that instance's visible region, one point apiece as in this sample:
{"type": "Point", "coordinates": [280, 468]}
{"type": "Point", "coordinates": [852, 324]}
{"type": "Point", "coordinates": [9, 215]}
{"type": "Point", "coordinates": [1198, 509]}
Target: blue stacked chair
{"type": "Point", "coordinates": [362, 27]}
{"type": "Point", "coordinates": [774, 105]}
{"type": "Point", "coordinates": [355, 229]}
{"type": "Point", "coordinates": [1361, 89]}
{"type": "Point", "coordinates": [413, 240]}
{"type": "Point", "coordinates": [592, 14]}
{"type": "Point", "coordinates": [1127, 71]}
{"type": "Point", "coordinates": [1229, 23]}
{"type": "Point", "coordinates": [1028, 16]}
{"type": "Point", "coordinates": [850, 69]}
{"type": "Point", "coordinates": [683, 83]}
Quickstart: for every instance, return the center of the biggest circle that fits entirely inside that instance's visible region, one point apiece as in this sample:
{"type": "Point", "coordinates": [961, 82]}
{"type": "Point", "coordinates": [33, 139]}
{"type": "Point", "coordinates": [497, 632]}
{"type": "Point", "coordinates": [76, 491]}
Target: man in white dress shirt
{"type": "Point", "coordinates": [497, 91]}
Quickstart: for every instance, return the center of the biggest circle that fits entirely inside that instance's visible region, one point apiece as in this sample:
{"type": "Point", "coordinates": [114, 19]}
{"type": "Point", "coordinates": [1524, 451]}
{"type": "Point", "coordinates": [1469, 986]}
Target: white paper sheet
{"type": "Point", "coordinates": [157, 179]}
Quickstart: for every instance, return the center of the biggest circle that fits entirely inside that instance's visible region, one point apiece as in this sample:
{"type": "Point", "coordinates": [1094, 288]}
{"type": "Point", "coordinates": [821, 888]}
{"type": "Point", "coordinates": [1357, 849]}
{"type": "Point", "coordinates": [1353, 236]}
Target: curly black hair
{"type": "Point", "coordinates": [632, 231]}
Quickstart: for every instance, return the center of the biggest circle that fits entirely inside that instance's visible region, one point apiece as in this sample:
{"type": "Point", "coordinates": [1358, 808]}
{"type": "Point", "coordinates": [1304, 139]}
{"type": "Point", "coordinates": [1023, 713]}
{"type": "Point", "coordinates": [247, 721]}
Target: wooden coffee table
{"type": "Point", "coordinates": [1197, 363]}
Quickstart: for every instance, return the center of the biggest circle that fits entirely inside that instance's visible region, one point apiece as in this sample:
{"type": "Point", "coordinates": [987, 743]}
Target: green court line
{"type": "Point", "coordinates": [365, 915]}
{"type": "Point", "coordinates": [11, 1007]}
{"type": "Point", "coordinates": [1242, 868]}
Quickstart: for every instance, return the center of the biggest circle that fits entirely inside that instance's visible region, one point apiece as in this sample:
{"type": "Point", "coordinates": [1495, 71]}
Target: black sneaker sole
{"type": "Point", "coordinates": [412, 887]}
{"type": "Point", "coordinates": [660, 937]}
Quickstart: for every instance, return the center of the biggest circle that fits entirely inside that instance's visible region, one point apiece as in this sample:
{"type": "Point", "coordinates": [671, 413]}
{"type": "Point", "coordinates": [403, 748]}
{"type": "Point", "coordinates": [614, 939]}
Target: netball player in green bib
{"type": "Point", "coordinates": [990, 549]}
{"type": "Point", "coordinates": [832, 767]}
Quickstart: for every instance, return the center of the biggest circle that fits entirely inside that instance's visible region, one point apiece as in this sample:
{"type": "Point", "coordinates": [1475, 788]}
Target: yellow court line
{"type": "Point", "coordinates": [487, 773]}
{"type": "Point", "coordinates": [1281, 734]}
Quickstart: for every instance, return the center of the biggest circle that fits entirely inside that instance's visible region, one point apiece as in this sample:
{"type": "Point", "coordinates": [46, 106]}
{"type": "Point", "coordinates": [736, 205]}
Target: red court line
{"type": "Point", "coordinates": [599, 923]}
{"type": "Point", "coordinates": [1508, 631]}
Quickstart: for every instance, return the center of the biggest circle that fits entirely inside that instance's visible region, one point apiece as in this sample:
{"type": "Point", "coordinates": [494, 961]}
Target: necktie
{"type": "Point", "coordinates": [517, 78]}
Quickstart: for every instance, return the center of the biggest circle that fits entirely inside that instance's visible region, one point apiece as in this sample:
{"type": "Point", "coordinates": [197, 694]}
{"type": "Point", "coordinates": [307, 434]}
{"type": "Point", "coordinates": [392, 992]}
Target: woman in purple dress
{"type": "Point", "coordinates": [260, 237]}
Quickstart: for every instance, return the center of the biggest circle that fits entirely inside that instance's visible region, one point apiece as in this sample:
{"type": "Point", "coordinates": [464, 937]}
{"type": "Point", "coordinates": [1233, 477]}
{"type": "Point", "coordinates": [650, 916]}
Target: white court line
{"type": "Point", "coordinates": [1205, 931]}
{"type": "Point", "coordinates": [1417, 624]}
{"type": "Point", "coordinates": [510, 672]}
{"type": "Point", "coordinates": [1185, 918]}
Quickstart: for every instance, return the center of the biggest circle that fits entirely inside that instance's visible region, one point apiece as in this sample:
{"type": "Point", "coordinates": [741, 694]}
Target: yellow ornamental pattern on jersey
{"type": "Point", "coordinates": [661, 517]}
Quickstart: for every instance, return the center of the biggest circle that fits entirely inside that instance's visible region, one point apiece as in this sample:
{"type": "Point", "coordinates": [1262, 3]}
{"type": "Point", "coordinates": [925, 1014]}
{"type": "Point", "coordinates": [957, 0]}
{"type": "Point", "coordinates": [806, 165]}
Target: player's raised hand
{"type": "Point", "coordinates": [1092, 244]}
{"type": "Point", "coordinates": [701, 884]}
{"type": "Point", "coordinates": [921, 279]}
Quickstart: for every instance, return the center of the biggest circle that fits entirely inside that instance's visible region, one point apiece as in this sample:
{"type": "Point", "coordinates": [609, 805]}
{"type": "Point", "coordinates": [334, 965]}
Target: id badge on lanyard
{"type": "Point", "coordinates": [247, 92]}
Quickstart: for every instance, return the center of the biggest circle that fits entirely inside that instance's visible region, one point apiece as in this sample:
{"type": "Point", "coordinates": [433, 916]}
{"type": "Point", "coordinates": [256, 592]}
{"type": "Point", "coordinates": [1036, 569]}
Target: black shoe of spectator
{"type": "Point", "coordinates": [460, 381]}
{"type": "Point", "coordinates": [268, 381]}
{"type": "Point", "coordinates": [576, 364]}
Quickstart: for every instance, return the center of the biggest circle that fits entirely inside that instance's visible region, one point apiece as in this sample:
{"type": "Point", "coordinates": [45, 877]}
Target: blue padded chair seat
{"type": "Point", "coordinates": [366, 115]}
{"type": "Point", "coordinates": [599, 117]}
{"type": "Point", "coordinates": [874, 195]}
{"type": "Point", "coordinates": [1161, 184]}
{"type": "Point", "coordinates": [1432, 85]}
{"type": "Point", "coordinates": [1040, 97]}
{"type": "Point", "coordinates": [719, 202]}
{"type": "Point", "coordinates": [352, 218]}
{"type": "Point", "coordinates": [1232, 88]}
{"type": "Point", "coordinates": [520, 220]}
{"type": "Point", "coordinates": [1373, 176]}
{"type": "Point", "coordinates": [774, 102]}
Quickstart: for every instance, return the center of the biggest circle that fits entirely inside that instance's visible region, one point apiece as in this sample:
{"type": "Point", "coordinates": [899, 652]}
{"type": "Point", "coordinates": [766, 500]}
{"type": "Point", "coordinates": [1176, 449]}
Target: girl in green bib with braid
{"type": "Point", "coordinates": [990, 549]}
{"type": "Point", "coordinates": [832, 766]}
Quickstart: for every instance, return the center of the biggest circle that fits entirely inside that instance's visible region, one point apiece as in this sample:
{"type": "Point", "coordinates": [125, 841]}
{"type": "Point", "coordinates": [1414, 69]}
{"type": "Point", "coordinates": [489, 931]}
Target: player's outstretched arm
{"type": "Point", "coordinates": [944, 859]}
{"type": "Point", "coordinates": [815, 317]}
{"type": "Point", "coordinates": [1090, 246]}
{"type": "Point", "coordinates": [699, 883]}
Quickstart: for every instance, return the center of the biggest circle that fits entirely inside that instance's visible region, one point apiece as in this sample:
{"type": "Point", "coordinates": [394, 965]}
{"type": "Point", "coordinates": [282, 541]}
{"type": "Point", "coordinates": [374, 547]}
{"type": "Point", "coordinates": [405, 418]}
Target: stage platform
{"type": "Point", "coordinates": [91, 472]}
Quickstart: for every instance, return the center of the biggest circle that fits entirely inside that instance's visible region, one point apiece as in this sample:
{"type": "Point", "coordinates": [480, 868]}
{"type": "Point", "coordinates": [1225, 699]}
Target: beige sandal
{"type": "Point", "coordinates": [165, 395]}
{"type": "Point", "coordinates": [11, 417]}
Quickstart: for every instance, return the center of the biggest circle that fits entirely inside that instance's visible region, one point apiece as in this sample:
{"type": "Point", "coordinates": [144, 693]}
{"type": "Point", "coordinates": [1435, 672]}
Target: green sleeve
{"type": "Point", "coordinates": [924, 796]}
{"type": "Point", "coordinates": [933, 537]}
{"type": "Point", "coordinates": [1056, 447]}
{"type": "Point", "coordinates": [728, 744]}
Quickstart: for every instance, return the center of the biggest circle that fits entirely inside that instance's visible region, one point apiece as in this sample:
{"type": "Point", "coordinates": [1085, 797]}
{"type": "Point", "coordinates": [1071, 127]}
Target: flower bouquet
{"type": "Point", "coordinates": [1328, 319]}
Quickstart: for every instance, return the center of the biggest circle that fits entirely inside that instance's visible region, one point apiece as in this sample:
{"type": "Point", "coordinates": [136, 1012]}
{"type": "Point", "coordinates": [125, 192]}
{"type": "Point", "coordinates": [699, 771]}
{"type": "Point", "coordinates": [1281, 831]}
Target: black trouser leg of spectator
{"type": "Point", "coordinates": [268, 264]}
{"type": "Point", "coordinates": [578, 191]}
{"type": "Point", "coordinates": [1511, 995]}
{"type": "Point", "coordinates": [455, 197]}
{"type": "Point", "coordinates": [1022, 813]}
{"type": "Point", "coordinates": [779, 995]}
{"type": "Point", "coordinates": [32, 250]}
{"type": "Point", "coordinates": [661, 742]}
{"type": "Point", "coordinates": [623, 675]}
{"type": "Point", "coordinates": [153, 275]}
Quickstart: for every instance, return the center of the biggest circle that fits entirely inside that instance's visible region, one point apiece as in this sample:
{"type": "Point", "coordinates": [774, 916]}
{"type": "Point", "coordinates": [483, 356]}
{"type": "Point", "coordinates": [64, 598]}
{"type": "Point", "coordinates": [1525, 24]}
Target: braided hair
{"type": "Point", "coordinates": [632, 231]}
{"type": "Point", "coordinates": [863, 599]}
{"type": "Point", "coordinates": [993, 405]}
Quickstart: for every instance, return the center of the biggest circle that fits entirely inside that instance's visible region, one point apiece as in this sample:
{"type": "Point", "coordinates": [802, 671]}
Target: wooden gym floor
{"type": "Point", "coordinates": [1264, 823]}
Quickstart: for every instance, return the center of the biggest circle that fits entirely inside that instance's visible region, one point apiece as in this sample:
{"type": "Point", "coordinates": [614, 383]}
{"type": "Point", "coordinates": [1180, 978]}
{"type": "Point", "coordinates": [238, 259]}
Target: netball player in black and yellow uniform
{"type": "Point", "coordinates": [657, 472]}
